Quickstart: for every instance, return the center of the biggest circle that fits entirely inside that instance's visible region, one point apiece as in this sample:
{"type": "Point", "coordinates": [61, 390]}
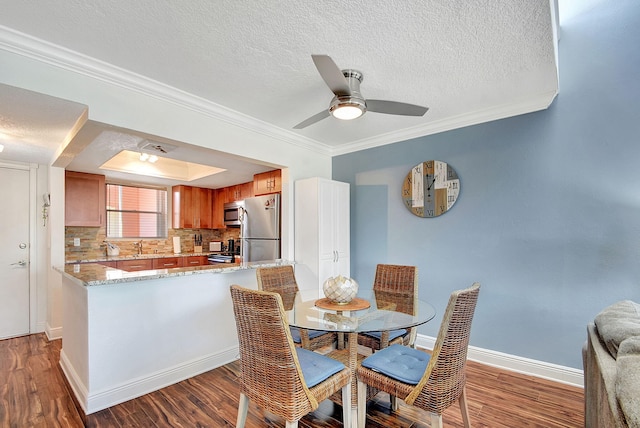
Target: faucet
{"type": "Point", "coordinates": [139, 245]}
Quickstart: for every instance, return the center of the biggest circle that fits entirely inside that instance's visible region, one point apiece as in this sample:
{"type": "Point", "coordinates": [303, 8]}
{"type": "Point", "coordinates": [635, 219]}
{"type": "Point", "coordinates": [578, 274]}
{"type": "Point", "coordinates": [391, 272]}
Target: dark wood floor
{"type": "Point", "coordinates": [33, 393]}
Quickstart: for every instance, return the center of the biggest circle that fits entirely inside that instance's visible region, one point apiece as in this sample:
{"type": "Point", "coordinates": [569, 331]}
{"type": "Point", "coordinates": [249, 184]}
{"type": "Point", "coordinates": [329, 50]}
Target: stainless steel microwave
{"type": "Point", "coordinates": [232, 213]}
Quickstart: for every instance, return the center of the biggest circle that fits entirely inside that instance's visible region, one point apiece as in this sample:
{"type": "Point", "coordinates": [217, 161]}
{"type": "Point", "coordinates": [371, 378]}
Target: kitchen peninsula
{"type": "Point", "coordinates": [130, 333]}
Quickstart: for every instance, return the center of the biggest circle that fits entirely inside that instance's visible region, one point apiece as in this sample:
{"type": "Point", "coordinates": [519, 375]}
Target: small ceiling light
{"type": "Point", "coordinates": [347, 107]}
{"type": "Point", "coordinates": [144, 157]}
{"type": "Point", "coordinates": [347, 112]}
{"type": "Point", "coordinates": [153, 158]}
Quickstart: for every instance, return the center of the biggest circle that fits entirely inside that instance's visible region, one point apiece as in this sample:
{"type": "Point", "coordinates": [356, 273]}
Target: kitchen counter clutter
{"type": "Point", "coordinates": [92, 274]}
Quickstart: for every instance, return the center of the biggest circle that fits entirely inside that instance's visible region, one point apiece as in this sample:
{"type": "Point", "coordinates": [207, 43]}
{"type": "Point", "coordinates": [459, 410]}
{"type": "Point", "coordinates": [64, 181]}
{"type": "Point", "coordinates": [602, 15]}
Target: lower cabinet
{"type": "Point", "coordinates": [135, 265]}
{"type": "Point", "coordinates": [167, 262]}
{"type": "Point", "coordinates": [132, 265]}
{"type": "Point", "coordinates": [195, 261]}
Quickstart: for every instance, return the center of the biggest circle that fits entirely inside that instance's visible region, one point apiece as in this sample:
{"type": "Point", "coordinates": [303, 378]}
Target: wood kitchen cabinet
{"type": "Point", "coordinates": [240, 191]}
{"type": "Point", "coordinates": [220, 197]}
{"type": "Point", "coordinates": [227, 194]}
{"type": "Point", "coordinates": [84, 199]}
{"type": "Point", "coordinates": [322, 244]}
{"type": "Point", "coordinates": [167, 262]}
{"type": "Point", "coordinates": [194, 261]}
{"type": "Point", "coordinates": [203, 208]}
{"type": "Point", "coordinates": [192, 207]}
{"type": "Point", "coordinates": [267, 182]}
{"type": "Point", "coordinates": [135, 264]}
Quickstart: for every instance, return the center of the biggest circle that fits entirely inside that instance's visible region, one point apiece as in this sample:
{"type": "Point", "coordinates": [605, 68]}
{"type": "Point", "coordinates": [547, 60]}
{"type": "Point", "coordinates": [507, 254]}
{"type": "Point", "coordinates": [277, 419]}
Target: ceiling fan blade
{"type": "Point", "coordinates": [313, 119]}
{"type": "Point", "coordinates": [332, 75]}
{"type": "Point", "coordinates": [393, 107]}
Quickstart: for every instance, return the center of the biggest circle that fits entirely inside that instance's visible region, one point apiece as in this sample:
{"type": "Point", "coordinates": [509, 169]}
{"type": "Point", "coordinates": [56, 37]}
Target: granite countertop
{"type": "Point", "coordinates": [140, 256]}
{"type": "Point", "coordinates": [92, 274]}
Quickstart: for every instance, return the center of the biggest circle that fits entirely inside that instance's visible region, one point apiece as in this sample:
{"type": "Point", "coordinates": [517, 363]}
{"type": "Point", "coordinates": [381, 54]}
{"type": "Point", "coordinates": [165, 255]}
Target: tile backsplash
{"type": "Point", "coordinates": [92, 244]}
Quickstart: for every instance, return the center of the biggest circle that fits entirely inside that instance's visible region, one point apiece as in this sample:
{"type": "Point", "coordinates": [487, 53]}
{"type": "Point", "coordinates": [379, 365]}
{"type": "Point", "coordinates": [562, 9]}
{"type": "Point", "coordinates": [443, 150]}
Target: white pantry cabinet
{"type": "Point", "coordinates": [322, 235]}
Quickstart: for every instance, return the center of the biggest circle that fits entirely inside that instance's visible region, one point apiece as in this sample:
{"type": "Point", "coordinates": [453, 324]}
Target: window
{"type": "Point", "coordinates": [136, 212]}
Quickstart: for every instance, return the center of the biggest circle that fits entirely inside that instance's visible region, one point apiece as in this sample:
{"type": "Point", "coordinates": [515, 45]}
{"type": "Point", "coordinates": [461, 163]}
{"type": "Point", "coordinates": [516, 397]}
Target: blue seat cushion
{"type": "Point", "coordinates": [393, 334]}
{"type": "Point", "coordinates": [399, 362]}
{"type": "Point", "coordinates": [316, 367]}
{"type": "Point", "coordinates": [295, 334]}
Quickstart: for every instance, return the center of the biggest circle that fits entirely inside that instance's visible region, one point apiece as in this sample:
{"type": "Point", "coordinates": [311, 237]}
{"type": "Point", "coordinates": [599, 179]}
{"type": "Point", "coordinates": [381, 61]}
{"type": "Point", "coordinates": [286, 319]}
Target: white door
{"type": "Point", "coordinates": [14, 252]}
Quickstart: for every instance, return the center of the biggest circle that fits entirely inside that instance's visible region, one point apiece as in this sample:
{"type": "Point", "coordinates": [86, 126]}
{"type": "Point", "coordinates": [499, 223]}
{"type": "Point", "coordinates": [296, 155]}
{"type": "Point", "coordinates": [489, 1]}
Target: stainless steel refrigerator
{"type": "Point", "coordinates": [260, 228]}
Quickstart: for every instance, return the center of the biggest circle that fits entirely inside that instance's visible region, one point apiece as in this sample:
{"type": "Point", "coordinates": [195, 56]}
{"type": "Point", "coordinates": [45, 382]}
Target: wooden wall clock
{"type": "Point", "coordinates": [430, 189]}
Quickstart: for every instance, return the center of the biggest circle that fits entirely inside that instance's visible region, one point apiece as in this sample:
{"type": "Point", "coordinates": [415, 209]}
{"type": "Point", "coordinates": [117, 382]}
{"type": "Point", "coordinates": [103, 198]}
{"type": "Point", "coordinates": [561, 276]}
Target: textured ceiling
{"type": "Point", "coordinates": [468, 61]}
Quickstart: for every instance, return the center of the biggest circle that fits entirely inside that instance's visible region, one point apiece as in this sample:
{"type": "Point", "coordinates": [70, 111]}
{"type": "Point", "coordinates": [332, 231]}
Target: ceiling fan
{"type": "Point", "coordinates": [348, 103]}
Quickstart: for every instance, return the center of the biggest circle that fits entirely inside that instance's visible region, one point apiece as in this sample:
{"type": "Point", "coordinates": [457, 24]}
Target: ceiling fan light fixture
{"type": "Point", "coordinates": [347, 108]}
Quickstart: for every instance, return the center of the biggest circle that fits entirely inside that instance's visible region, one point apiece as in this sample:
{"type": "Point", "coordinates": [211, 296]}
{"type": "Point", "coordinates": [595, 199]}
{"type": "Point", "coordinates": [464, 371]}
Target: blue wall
{"type": "Point", "coordinates": [548, 219]}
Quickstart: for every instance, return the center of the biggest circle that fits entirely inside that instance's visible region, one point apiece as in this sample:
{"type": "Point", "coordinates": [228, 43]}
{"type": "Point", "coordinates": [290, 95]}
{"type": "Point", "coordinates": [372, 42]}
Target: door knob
{"type": "Point", "coordinates": [20, 263]}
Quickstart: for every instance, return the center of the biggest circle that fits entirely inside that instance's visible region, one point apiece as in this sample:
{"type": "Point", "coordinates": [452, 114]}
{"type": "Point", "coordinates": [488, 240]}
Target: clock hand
{"type": "Point", "coordinates": [432, 181]}
{"type": "Point", "coordinates": [429, 188]}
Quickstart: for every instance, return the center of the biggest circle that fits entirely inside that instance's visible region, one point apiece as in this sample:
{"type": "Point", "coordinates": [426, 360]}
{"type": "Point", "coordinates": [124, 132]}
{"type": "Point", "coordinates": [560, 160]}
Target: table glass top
{"type": "Point", "coordinates": [386, 311]}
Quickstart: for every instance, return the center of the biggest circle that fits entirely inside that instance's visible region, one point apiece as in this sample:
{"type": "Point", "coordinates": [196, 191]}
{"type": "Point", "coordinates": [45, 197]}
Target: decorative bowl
{"type": "Point", "coordinates": [340, 289]}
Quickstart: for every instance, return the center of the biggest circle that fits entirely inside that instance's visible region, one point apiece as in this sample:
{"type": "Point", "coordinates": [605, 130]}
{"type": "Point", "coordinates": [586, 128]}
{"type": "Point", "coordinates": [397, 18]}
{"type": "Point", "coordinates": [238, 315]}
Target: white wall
{"type": "Point", "coordinates": [122, 103]}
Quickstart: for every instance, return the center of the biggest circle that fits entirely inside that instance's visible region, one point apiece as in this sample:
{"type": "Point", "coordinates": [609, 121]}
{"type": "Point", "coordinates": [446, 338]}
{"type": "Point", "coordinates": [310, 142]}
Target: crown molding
{"type": "Point", "coordinates": [538, 103]}
{"type": "Point", "coordinates": [49, 53]}
{"type": "Point", "coordinates": [60, 57]}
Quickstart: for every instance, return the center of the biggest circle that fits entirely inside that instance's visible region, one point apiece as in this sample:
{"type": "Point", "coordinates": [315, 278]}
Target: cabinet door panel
{"type": "Point", "coordinates": [84, 199]}
{"type": "Point", "coordinates": [167, 262]}
{"type": "Point", "coordinates": [135, 265]}
{"type": "Point", "coordinates": [322, 247]}
{"type": "Point", "coordinates": [195, 261]}
{"type": "Point", "coordinates": [267, 182]}
{"type": "Point", "coordinates": [183, 209]}
{"type": "Point", "coordinates": [204, 206]}
{"type": "Point", "coordinates": [219, 199]}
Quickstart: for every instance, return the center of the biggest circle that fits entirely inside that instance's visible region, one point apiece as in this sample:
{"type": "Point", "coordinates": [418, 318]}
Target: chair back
{"type": "Point", "coordinates": [396, 288]}
{"type": "Point", "coordinates": [444, 379]}
{"type": "Point", "coordinates": [271, 374]}
{"type": "Point", "coordinates": [279, 279]}
{"type": "Point", "coordinates": [396, 279]}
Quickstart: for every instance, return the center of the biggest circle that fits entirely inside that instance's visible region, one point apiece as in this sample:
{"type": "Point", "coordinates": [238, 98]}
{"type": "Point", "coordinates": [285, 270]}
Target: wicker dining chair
{"type": "Point", "coordinates": [276, 375]}
{"type": "Point", "coordinates": [282, 280]}
{"type": "Point", "coordinates": [395, 285]}
{"type": "Point", "coordinates": [433, 382]}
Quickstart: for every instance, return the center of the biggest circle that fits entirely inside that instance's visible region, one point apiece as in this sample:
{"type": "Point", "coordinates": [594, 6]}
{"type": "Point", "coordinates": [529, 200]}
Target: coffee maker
{"type": "Point", "coordinates": [231, 247]}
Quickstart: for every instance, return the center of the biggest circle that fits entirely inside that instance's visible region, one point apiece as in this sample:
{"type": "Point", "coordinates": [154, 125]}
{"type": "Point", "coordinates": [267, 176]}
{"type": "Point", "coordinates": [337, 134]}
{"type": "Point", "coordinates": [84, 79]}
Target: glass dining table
{"type": "Point", "coordinates": [369, 312]}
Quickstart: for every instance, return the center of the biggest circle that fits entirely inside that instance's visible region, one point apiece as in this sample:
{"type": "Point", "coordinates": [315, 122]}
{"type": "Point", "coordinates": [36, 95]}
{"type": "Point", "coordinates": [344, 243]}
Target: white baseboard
{"type": "Point", "coordinates": [78, 388]}
{"type": "Point", "coordinates": [53, 333]}
{"type": "Point", "coordinates": [92, 402]}
{"type": "Point", "coordinates": [541, 369]}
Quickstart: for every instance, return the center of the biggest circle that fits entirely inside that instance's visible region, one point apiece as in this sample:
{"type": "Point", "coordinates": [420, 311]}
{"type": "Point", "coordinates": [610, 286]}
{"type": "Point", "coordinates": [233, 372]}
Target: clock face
{"type": "Point", "coordinates": [430, 189]}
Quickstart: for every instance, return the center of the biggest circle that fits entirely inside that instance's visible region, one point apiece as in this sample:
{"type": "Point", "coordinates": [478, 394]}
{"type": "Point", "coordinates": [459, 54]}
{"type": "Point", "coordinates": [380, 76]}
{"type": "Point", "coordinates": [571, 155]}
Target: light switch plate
{"type": "Point", "coordinates": [76, 242]}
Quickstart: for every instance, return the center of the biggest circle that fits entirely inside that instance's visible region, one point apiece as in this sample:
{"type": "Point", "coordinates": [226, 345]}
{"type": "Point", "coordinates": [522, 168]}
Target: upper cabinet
{"type": "Point", "coordinates": [84, 199]}
{"type": "Point", "coordinates": [220, 197]}
{"type": "Point", "coordinates": [203, 208]}
{"type": "Point", "coordinates": [192, 207]}
{"type": "Point", "coordinates": [240, 192]}
{"type": "Point", "coordinates": [267, 182]}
